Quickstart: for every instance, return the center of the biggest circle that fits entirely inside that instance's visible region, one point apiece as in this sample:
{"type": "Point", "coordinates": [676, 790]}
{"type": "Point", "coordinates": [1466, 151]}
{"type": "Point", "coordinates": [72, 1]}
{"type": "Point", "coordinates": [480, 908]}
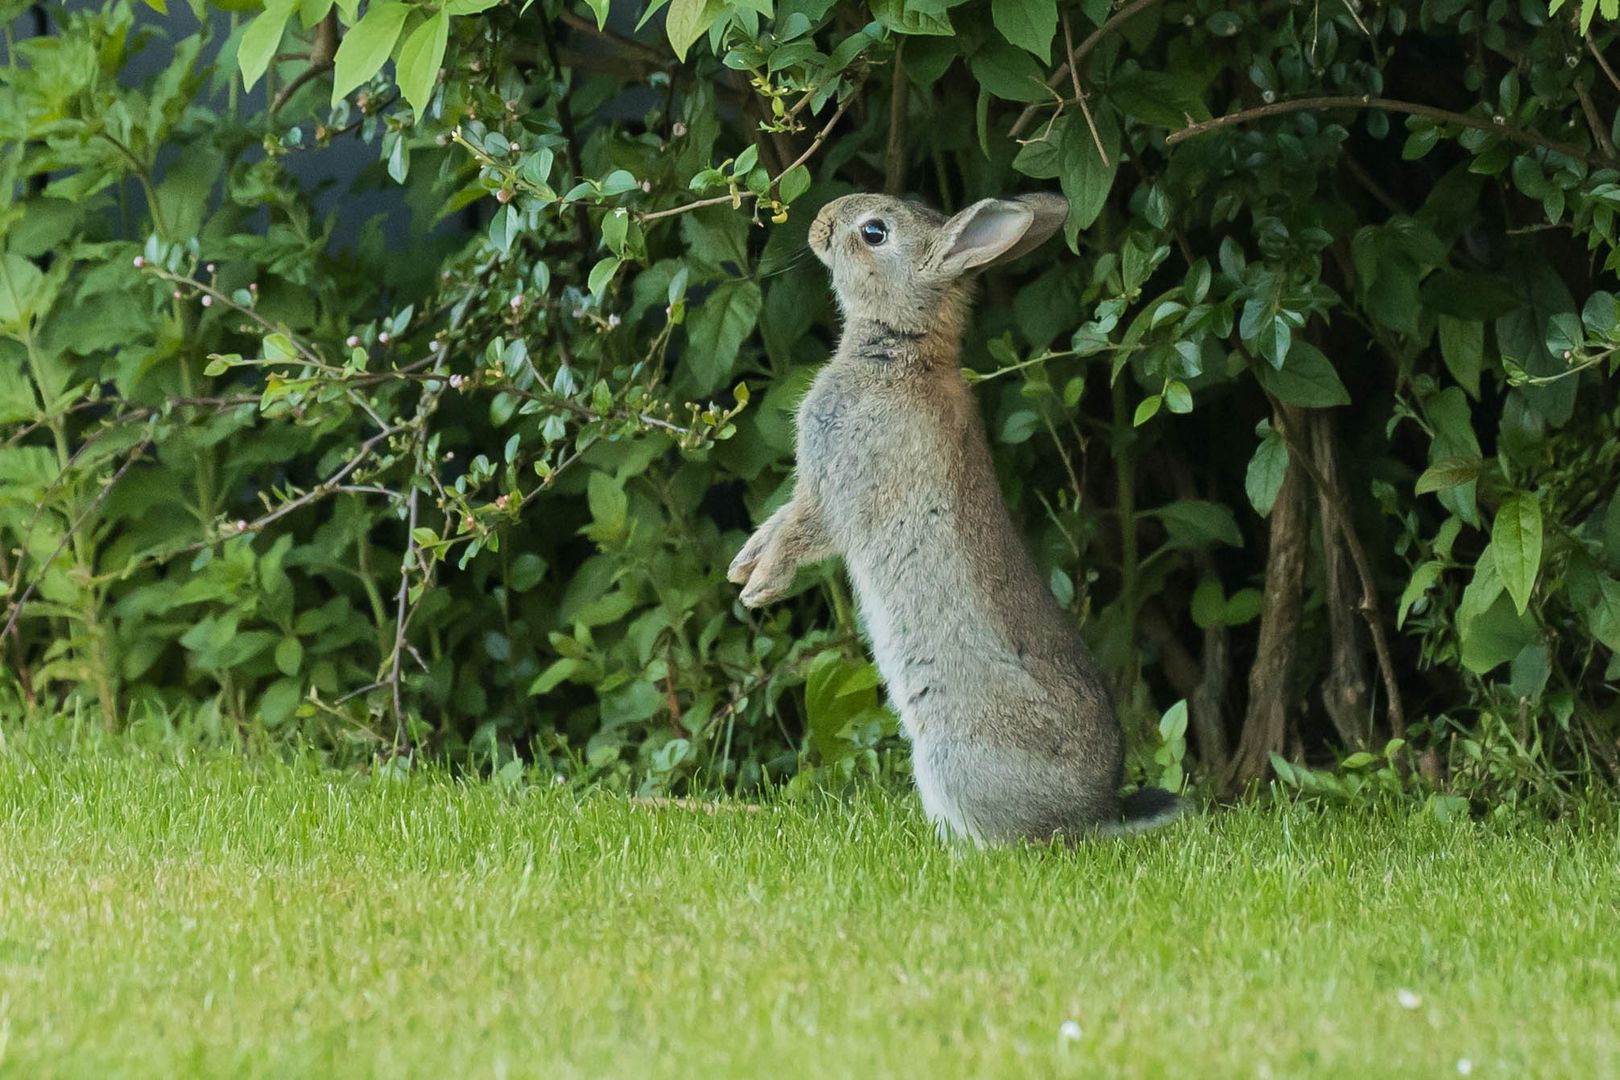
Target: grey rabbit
{"type": "Point", "coordinates": [1011, 725]}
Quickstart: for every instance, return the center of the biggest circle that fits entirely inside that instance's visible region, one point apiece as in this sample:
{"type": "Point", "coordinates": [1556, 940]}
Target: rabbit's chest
{"type": "Point", "coordinates": [865, 455]}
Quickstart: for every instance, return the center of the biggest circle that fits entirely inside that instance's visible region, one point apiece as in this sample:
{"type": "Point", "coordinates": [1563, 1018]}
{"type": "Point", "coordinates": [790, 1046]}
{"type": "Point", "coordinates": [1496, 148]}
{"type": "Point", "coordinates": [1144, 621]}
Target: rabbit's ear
{"type": "Point", "coordinates": [995, 230]}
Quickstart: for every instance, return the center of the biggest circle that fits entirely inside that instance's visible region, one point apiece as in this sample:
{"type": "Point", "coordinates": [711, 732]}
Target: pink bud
{"type": "Point", "coordinates": [210, 268]}
{"type": "Point", "coordinates": [177, 294]}
{"type": "Point", "coordinates": [352, 341]}
{"type": "Point", "coordinates": [517, 301]}
{"type": "Point", "coordinates": [140, 261]}
{"type": "Point", "coordinates": [207, 301]}
{"type": "Point", "coordinates": [515, 148]}
{"type": "Point", "coordinates": [384, 338]}
{"type": "Point", "coordinates": [678, 130]}
{"type": "Point", "coordinates": [467, 523]}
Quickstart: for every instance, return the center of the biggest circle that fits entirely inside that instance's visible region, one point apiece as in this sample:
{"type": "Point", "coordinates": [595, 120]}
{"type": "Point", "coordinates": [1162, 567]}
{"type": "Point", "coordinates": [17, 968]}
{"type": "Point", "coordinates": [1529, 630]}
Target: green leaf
{"type": "Point", "coordinates": [1086, 180]}
{"type": "Point", "coordinates": [1195, 523]}
{"type": "Point", "coordinates": [1008, 73]}
{"type": "Point", "coordinates": [1462, 347]}
{"type": "Point", "coordinates": [1422, 578]}
{"type": "Point", "coordinates": [602, 275]}
{"type": "Point", "coordinates": [1160, 98]}
{"type": "Point", "coordinates": [527, 571]}
{"type": "Point", "coordinates": [1448, 473]}
{"type": "Point", "coordinates": [1267, 470]}
{"type": "Point", "coordinates": [554, 675]}
{"type": "Point", "coordinates": [1019, 426]}
{"type": "Point", "coordinates": [795, 182]}
{"type": "Point", "coordinates": [1029, 24]}
{"type": "Point", "coordinates": [716, 330]}
{"type": "Point", "coordinates": [1147, 410]}
{"type": "Point", "coordinates": [911, 17]}
{"type": "Point", "coordinates": [417, 68]}
{"type": "Point", "coordinates": [289, 656]}
{"type": "Point", "coordinates": [610, 507]}
{"type": "Point", "coordinates": [1516, 539]}
{"type": "Point", "coordinates": [689, 20]}
{"type": "Point", "coordinates": [1306, 378]}
{"type": "Point", "coordinates": [366, 46]}
{"type": "Point", "coordinates": [261, 39]}
{"type": "Point", "coordinates": [1177, 398]}
{"type": "Point", "coordinates": [599, 8]}
{"type": "Point", "coordinates": [473, 7]}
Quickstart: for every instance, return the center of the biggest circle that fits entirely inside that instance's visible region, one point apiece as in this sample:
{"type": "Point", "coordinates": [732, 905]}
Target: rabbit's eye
{"type": "Point", "coordinates": [874, 232]}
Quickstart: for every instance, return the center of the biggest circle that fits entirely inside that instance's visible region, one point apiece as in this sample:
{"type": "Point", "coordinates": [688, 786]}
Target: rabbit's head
{"type": "Point", "coordinates": [905, 264]}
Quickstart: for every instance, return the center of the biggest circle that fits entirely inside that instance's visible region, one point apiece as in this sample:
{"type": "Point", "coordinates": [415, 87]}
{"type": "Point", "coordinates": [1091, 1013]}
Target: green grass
{"type": "Point", "coordinates": [226, 917]}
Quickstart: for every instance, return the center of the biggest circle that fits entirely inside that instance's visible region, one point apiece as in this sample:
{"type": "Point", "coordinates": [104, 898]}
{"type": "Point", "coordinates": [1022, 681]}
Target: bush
{"type": "Point", "coordinates": [1315, 431]}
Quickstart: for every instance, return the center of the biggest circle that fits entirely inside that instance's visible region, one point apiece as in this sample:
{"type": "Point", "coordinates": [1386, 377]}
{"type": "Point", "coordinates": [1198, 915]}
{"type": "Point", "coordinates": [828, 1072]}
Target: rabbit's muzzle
{"type": "Point", "coordinates": [821, 235]}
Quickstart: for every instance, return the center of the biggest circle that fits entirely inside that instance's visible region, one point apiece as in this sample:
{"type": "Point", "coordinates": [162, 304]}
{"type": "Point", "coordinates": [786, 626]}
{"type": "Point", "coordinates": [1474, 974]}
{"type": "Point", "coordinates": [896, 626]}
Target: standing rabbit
{"type": "Point", "coordinates": [1011, 725]}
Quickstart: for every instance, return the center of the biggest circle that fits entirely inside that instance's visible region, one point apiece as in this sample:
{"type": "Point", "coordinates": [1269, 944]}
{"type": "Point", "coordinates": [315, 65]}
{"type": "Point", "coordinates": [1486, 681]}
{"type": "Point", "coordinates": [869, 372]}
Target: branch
{"type": "Point", "coordinates": [331, 485]}
{"type": "Point", "coordinates": [894, 154]}
{"type": "Point", "coordinates": [1428, 112]}
{"type": "Point", "coordinates": [322, 49]}
{"type": "Point", "coordinates": [17, 605]}
{"type": "Point", "coordinates": [1599, 136]}
{"type": "Point", "coordinates": [1078, 56]}
{"type": "Point", "coordinates": [1591, 47]}
{"type": "Point", "coordinates": [718, 200]}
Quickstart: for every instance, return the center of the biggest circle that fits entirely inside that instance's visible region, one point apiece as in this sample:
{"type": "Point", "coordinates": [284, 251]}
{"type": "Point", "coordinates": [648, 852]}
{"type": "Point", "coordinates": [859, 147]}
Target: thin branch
{"type": "Point", "coordinates": [1591, 47]}
{"type": "Point", "coordinates": [330, 486]}
{"type": "Point", "coordinates": [1078, 56]}
{"type": "Point", "coordinates": [565, 118]}
{"type": "Point", "coordinates": [1080, 94]}
{"type": "Point", "coordinates": [736, 199]}
{"type": "Point", "coordinates": [322, 49]}
{"type": "Point", "coordinates": [1599, 136]}
{"type": "Point", "coordinates": [208, 290]}
{"type": "Point", "coordinates": [894, 154]}
{"type": "Point", "coordinates": [1428, 112]}
{"type": "Point", "coordinates": [17, 605]}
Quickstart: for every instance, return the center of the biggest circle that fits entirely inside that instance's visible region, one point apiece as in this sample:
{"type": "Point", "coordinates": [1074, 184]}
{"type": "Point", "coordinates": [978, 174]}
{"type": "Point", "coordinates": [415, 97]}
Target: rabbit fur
{"type": "Point", "coordinates": [1011, 725]}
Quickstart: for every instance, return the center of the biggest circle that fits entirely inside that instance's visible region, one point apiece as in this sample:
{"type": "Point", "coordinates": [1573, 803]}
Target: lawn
{"type": "Point", "coordinates": [229, 917]}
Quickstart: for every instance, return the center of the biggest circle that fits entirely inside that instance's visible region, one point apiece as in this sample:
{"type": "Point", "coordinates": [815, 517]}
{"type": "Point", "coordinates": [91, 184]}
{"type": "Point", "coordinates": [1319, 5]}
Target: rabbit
{"type": "Point", "coordinates": [1011, 725]}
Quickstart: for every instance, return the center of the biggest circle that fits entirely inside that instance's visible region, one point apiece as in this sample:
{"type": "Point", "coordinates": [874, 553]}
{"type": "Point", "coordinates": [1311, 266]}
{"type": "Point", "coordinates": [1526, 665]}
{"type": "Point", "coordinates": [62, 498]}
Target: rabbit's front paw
{"type": "Point", "coordinates": [742, 567]}
{"type": "Point", "coordinates": [767, 585]}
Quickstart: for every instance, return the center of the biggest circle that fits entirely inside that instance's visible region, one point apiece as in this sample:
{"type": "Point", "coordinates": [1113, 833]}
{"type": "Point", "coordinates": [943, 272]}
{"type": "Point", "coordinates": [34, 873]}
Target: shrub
{"type": "Point", "coordinates": [1315, 429]}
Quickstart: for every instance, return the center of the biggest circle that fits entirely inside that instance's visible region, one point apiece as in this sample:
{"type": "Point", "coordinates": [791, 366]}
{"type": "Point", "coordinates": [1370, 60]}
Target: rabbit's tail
{"type": "Point", "coordinates": [1145, 809]}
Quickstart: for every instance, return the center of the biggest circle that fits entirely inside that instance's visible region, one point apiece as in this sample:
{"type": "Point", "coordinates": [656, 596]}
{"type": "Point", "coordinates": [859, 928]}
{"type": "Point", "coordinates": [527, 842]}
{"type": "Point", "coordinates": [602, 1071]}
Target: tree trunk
{"type": "Point", "coordinates": [1268, 725]}
{"type": "Point", "coordinates": [1347, 690]}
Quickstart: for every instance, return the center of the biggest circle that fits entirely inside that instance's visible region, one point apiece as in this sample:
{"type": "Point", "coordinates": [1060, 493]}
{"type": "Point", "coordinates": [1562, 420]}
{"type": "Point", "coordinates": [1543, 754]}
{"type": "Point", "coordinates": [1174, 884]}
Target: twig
{"type": "Point", "coordinates": [1428, 112]}
{"type": "Point", "coordinates": [718, 200]}
{"type": "Point", "coordinates": [565, 119]}
{"type": "Point", "coordinates": [322, 49]}
{"type": "Point", "coordinates": [303, 350]}
{"type": "Point", "coordinates": [398, 654]}
{"type": "Point", "coordinates": [620, 42]}
{"type": "Point", "coordinates": [16, 606]}
{"type": "Point", "coordinates": [1591, 47]}
{"type": "Point", "coordinates": [1078, 56]}
{"type": "Point", "coordinates": [1599, 136]}
{"type": "Point", "coordinates": [894, 154]}
{"type": "Point", "coordinates": [331, 485]}
{"type": "Point", "coordinates": [1080, 95]}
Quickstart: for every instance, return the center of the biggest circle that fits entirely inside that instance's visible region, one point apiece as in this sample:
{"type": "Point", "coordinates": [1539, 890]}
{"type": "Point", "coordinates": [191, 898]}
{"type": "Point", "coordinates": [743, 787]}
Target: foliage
{"type": "Point", "coordinates": [480, 497]}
